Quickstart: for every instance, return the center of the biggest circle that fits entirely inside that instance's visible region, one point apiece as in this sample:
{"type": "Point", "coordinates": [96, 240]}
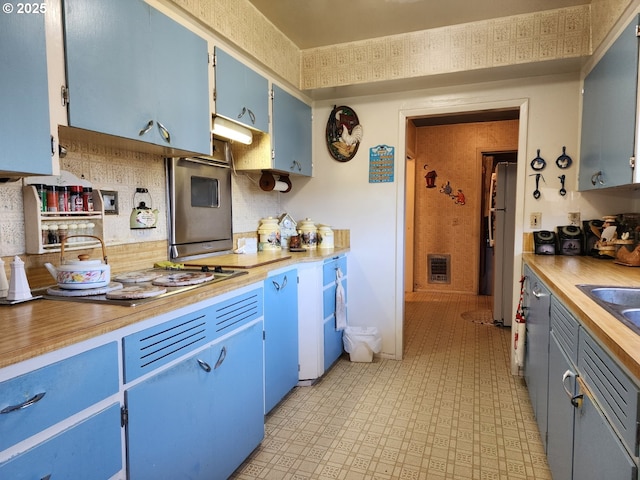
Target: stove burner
{"type": "Point", "coordinates": [86, 292]}
{"type": "Point", "coordinates": [134, 292]}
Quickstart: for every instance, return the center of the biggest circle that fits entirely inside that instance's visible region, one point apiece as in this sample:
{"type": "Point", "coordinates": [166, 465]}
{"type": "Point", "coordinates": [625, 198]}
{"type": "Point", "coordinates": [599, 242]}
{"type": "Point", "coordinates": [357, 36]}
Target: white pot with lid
{"type": "Point", "coordinates": [269, 234]}
{"type": "Point", "coordinates": [82, 273]}
{"type": "Point", "coordinates": [325, 237]}
{"type": "Point", "coordinates": [308, 233]}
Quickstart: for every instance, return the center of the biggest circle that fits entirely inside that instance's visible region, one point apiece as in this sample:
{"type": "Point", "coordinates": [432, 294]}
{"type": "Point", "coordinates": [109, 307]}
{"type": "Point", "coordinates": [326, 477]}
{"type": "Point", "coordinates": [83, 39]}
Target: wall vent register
{"type": "Point", "coordinates": [438, 268]}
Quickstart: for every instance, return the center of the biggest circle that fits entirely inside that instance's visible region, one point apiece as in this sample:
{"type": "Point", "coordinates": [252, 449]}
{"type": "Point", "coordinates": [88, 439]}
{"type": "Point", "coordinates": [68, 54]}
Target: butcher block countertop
{"type": "Point", "coordinates": [41, 326]}
{"type": "Point", "coordinates": [563, 273]}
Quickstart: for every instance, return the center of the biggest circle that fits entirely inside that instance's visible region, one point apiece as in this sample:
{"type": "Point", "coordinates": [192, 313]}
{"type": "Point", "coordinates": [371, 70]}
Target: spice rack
{"type": "Point", "coordinates": [35, 219]}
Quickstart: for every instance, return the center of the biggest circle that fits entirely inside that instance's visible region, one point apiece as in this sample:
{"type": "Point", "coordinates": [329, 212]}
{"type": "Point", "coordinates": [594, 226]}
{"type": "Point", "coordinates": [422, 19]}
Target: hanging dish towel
{"type": "Point", "coordinates": [341, 307]}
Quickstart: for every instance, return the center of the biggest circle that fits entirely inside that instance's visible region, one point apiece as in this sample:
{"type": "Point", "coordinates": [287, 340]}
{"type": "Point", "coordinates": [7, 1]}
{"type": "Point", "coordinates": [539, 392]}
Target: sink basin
{"type": "Point", "coordinates": [621, 302]}
{"type": "Point", "coordinates": [624, 296]}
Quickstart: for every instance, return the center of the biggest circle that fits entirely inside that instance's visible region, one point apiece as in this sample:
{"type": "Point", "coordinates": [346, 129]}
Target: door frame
{"type": "Point", "coordinates": [401, 222]}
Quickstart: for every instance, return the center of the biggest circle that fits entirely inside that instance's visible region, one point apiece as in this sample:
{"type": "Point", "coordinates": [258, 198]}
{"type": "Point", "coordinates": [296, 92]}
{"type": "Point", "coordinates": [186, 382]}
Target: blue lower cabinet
{"type": "Point", "coordinates": [200, 418]}
{"type": "Point", "coordinates": [333, 346]}
{"type": "Point", "coordinates": [332, 342]}
{"type": "Point", "coordinates": [90, 449]}
{"type": "Point", "coordinates": [281, 336]}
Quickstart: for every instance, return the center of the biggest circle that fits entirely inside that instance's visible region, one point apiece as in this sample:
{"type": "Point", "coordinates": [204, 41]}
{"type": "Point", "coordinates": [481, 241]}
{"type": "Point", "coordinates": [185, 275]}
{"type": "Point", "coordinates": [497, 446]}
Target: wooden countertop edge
{"type": "Point", "coordinates": [562, 275]}
{"type": "Point", "coordinates": [38, 327]}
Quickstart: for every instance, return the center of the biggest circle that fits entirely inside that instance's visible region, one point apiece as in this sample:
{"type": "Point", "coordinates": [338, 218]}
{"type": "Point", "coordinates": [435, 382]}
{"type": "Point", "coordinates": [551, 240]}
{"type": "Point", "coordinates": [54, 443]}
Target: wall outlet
{"type": "Point", "coordinates": [574, 218]}
{"type": "Point", "coordinates": [535, 220]}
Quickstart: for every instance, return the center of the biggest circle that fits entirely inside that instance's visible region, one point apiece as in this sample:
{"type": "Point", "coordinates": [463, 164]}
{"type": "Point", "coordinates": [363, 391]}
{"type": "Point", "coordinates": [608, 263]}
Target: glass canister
{"type": "Point", "coordinates": [325, 236]}
{"type": "Point", "coordinates": [268, 234]}
{"type": "Point", "coordinates": [309, 233]}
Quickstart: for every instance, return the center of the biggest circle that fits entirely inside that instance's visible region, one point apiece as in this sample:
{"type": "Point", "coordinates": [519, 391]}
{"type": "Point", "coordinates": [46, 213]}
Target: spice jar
{"type": "Point", "coordinates": [53, 234]}
{"type": "Point", "coordinates": [52, 198]}
{"type": "Point", "coordinates": [73, 231]}
{"type": "Point", "coordinates": [45, 233]}
{"type": "Point", "coordinates": [63, 199]}
{"type": "Point", "coordinates": [63, 231]}
{"type": "Point", "coordinates": [41, 190]}
{"type": "Point", "coordinates": [76, 198]}
{"type": "Point", "coordinates": [87, 199]}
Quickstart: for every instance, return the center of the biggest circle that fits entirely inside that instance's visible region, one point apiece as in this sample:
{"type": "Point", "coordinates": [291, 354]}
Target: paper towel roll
{"type": "Point", "coordinates": [280, 186]}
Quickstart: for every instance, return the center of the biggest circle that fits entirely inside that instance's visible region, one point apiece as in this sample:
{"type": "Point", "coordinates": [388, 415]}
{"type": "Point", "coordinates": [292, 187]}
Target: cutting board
{"type": "Point", "coordinates": [245, 260]}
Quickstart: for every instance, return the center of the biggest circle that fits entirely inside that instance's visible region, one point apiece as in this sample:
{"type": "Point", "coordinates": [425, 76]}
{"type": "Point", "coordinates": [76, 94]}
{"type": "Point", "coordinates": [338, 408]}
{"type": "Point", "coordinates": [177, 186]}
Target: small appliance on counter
{"type": "Point", "coordinates": [570, 240]}
{"type": "Point", "coordinates": [544, 242]}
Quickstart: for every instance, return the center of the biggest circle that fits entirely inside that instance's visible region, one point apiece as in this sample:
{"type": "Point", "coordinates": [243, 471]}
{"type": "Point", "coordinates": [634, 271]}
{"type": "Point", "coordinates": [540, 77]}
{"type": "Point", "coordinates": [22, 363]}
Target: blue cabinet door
{"type": "Point", "coordinates": [538, 301]}
{"type": "Point", "coordinates": [242, 95]}
{"type": "Point", "coordinates": [281, 336]}
{"type": "Point", "coordinates": [238, 399]}
{"type": "Point", "coordinates": [172, 422]}
{"type": "Point", "coordinates": [90, 449]}
{"type": "Point", "coordinates": [561, 414]}
{"type": "Point", "coordinates": [609, 114]}
{"type": "Point", "coordinates": [333, 346]}
{"type": "Point", "coordinates": [291, 133]}
{"type": "Point", "coordinates": [109, 67]}
{"type": "Point", "coordinates": [182, 85]}
{"type": "Point", "coordinates": [135, 73]}
{"type": "Point", "coordinates": [25, 133]}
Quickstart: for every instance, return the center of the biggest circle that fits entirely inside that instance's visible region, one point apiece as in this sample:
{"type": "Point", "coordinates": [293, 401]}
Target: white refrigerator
{"type": "Point", "coordinates": [502, 237]}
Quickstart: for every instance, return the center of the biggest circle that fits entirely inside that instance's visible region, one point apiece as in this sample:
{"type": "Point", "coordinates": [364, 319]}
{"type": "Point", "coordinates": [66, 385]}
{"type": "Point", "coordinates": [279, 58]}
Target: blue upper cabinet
{"type": "Point", "coordinates": [135, 73]}
{"type": "Point", "coordinates": [25, 133]}
{"type": "Point", "coordinates": [609, 115]}
{"type": "Point", "coordinates": [291, 134]}
{"type": "Point", "coordinates": [242, 95]}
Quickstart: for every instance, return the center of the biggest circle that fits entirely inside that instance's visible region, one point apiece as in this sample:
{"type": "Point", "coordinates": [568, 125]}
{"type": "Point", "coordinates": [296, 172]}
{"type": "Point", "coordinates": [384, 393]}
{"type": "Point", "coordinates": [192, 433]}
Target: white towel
{"type": "Point", "coordinates": [341, 307]}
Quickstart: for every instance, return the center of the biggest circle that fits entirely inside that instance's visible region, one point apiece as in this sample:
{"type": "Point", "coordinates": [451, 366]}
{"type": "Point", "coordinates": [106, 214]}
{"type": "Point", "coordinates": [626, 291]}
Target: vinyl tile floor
{"type": "Point", "coordinates": [449, 410]}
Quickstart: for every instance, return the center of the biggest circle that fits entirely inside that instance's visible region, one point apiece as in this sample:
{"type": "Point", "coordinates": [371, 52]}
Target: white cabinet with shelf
{"type": "Point", "coordinates": [35, 220]}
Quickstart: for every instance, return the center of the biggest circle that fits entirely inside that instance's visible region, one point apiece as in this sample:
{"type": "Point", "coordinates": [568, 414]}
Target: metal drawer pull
{"type": "Point", "coordinates": [576, 400]}
{"type": "Point", "coordinates": [164, 132]}
{"type": "Point", "coordinates": [146, 129]}
{"type": "Point", "coordinates": [537, 293]}
{"type": "Point", "coordinates": [33, 400]}
{"type": "Point", "coordinates": [46, 477]}
{"type": "Point", "coordinates": [223, 355]}
{"type": "Point", "coordinates": [278, 286]}
{"type": "Point", "coordinates": [204, 365]}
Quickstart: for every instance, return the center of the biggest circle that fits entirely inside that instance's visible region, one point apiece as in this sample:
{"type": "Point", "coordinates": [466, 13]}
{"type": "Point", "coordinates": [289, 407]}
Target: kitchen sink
{"type": "Point", "coordinates": [621, 302]}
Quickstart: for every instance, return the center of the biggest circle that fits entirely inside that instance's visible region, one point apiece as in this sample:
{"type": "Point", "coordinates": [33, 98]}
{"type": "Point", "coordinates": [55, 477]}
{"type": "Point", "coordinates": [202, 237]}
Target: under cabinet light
{"type": "Point", "coordinates": [232, 131]}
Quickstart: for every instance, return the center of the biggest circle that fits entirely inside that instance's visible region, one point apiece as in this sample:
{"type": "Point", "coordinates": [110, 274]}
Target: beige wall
{"type": "Point", "coordinates": [443, 226]}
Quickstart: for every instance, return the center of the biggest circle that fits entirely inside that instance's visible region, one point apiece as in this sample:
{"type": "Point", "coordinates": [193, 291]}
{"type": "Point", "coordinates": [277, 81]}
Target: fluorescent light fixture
{"type": "Point", "coordinates": [232, 131]}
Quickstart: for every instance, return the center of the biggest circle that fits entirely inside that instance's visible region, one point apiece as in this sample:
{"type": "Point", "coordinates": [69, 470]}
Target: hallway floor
{"type": "Point", "coordinates": [449, 410]}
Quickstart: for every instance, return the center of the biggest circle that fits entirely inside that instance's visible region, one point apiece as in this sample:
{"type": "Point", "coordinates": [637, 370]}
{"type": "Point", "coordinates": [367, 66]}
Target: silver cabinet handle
{"type": "Point", "coordinates": [278, 286]}
{"type": "Point", "coordinates": [223, 355]}
{"type": "Point", "coordinates": [147, 127]}
{"type": "Point", "coordinates": [204, 365]}
{"type": "Point", "coordinates": [252, 115]}
{"type": "Point", "coordinates": [32, 401]}
{"type": "Point", "coordinates": [46, 477]}
{"type": "Point", "coordinates": [597, 178]}
{"type": "Point", "coordinates": [164, 132]}
{"type": "Point", "coordinates": [576, 400]}
{"type": "Point", "coordinates": [296, 164]}
{"type": "Point", "coordinates": [537, 293]}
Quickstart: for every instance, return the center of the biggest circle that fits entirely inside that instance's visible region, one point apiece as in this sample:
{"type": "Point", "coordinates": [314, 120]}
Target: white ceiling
{"type": "Point", "coordinates": [314, 23]}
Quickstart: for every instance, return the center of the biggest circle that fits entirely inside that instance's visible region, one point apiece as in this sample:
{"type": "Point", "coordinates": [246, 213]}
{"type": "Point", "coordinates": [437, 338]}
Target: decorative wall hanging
{"type": "Point", "coordinates": [381, 164]}
{"type": "Point", "coordinates": [538, 163]}
{"type": "Point", "coordinates": [564, 160]}
{"type": "Point", "coordinates": [458, 197]}
{"type": "Point", "coordinates": [343, 133]}
{"type": "Point", "coordinates": [430, 177]}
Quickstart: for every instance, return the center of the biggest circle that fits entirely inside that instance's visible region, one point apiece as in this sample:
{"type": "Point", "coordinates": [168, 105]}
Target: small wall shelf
{"type": "Point", "coordinates": [34, 219]}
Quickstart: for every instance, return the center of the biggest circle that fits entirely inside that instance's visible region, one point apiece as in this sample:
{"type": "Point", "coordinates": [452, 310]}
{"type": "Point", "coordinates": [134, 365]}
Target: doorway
{"type": "Point", "coordinates": [444, 210]}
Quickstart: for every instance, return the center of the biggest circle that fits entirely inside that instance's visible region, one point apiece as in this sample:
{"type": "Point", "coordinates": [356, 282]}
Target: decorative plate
{"type": "Point", "coordinates": [343, 133]}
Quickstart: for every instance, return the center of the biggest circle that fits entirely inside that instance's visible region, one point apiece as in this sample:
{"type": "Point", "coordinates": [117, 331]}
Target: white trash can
{"type": "Point", "coordinates": [361, 343]}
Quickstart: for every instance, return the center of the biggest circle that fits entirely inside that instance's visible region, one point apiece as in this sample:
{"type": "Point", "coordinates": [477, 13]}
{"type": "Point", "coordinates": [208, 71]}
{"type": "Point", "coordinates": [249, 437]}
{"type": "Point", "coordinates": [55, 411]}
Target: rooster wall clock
{"type": "Point", "coordinates": [344, 133]}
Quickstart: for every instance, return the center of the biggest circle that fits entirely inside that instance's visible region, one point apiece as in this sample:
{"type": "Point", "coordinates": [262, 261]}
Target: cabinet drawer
{"type": "Point", "coordinates": [55, 392]}
{"type": "Point", "coordinates": [613, 390]}
{"type": "Point", "coordinates": [329, 269]}
{"type": "Point", "coordinates": [565, 329]}
{"type": "Point", "coordinates": [90, 449]}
